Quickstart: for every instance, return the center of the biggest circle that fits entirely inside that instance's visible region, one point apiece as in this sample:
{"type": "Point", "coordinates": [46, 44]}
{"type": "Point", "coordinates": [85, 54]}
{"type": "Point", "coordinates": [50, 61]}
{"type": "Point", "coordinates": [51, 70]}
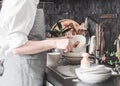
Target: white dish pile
{"type": "Point", "coordinates": [93, 73]}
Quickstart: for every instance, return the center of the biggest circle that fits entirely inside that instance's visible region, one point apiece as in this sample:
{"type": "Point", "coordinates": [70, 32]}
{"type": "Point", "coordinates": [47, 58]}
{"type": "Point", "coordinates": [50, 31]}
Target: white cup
{"type": "Point", "coordinates": [81, 47]}
{"type": "Point", "coordinates": [53, 58]}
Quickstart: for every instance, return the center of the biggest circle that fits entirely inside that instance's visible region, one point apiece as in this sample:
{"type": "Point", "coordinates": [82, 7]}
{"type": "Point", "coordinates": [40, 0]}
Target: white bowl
{"type": "Point", "coordinates": [92, 77]}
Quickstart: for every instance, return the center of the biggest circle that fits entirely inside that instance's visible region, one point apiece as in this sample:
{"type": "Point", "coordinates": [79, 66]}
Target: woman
{"type": "Point", "coordinates": [22, 49]}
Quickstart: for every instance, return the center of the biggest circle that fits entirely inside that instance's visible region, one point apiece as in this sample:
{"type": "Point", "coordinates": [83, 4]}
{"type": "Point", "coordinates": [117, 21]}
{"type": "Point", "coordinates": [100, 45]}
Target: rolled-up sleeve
{"type": "Point", "coordinates": [20, 21]}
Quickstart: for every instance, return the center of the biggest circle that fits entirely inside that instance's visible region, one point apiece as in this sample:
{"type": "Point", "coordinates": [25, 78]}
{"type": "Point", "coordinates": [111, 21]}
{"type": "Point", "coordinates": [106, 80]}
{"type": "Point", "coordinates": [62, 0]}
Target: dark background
{"type": "Point", "coordinates": [78, 10]}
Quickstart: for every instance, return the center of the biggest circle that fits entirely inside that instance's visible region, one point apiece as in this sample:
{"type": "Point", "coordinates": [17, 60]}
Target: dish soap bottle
{"type": "Point", "coordinates": [85, 62]}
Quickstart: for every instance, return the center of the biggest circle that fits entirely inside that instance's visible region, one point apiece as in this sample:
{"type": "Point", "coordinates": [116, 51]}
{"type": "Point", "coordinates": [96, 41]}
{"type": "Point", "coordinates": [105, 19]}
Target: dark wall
{"type": "Point", "coordinates": [78, 10]}
{"type": "Point", "coordinates": [105, 12]}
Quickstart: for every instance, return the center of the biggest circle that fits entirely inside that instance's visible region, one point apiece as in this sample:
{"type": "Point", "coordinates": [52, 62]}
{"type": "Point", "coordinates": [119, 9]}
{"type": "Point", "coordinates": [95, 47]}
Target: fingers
{"type": "Point", "coordinates": [64, 44]}
{"type": "Point", "coordinates": [69, 47]}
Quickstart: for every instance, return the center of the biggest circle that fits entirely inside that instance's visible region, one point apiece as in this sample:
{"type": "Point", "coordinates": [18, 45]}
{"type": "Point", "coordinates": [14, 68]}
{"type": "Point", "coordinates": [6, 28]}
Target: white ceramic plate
{"type": "Point", "coordinates": [94, 69]}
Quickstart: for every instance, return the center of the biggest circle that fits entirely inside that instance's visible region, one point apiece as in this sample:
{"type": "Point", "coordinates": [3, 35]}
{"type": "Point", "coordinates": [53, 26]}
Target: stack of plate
{"type": "Point", "coordinates": [93, 74]}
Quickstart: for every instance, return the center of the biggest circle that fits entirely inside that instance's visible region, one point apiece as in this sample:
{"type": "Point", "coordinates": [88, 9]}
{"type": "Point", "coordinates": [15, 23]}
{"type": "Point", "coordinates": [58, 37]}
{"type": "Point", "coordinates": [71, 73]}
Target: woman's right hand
{"type": "Point", "coordinates": [64, 44]}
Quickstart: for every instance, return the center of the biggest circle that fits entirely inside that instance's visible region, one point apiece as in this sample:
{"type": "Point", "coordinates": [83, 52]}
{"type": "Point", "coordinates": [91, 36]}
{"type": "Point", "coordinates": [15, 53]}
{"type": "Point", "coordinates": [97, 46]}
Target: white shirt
{"type": "Point", "coordinates": [16, 21]}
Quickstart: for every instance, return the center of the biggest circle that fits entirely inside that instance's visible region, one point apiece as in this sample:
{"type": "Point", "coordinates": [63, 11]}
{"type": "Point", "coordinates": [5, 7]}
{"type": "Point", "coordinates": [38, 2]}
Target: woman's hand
{"type": "Point", "coordinates": [64, 44]}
